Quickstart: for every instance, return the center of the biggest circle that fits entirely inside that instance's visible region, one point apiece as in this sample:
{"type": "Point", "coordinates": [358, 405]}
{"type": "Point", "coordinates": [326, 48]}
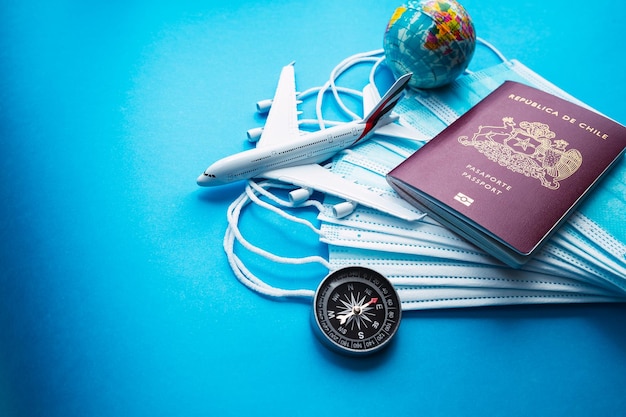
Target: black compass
{"type": "Point", "coordinates": [356, 310]}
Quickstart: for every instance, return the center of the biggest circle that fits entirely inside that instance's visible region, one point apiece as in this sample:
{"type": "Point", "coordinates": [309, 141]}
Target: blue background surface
{"type": "Point", "coordinates": [116, 298]}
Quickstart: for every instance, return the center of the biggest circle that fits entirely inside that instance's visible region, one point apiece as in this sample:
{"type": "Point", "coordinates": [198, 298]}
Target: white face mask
{"type": "Point", "coordinates": [430, 266]}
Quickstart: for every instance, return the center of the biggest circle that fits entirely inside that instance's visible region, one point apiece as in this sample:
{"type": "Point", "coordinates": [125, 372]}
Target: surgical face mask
{"type": "Point", "coordinates": [430, 266]}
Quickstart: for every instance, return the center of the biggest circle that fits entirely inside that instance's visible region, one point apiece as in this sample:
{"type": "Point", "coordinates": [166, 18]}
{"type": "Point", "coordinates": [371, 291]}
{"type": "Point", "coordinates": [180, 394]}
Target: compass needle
{"type": "Point", "coordinates": [344, 317]}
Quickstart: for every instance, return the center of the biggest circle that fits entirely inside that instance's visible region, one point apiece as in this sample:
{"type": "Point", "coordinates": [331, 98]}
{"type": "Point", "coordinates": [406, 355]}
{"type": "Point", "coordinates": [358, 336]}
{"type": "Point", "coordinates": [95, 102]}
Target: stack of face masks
{"type": "Point", "coordinates": [431, 267]}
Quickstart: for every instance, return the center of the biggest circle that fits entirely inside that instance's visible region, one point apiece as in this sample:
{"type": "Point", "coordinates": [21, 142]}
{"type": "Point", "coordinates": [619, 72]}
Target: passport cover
{"type": "Point", "coordinates": [509, 171]}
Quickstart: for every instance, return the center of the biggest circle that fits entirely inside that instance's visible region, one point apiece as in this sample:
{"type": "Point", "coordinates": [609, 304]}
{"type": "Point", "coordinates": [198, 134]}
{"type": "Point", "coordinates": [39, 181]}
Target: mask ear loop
{"type": "Point", "coordinates": [233, 234]}
{"type": "Point", "coordinates": [320, 122]}
{"type": "Point", "coordinates": [343, 66]}
{"type": "Point", "coordinates": [308, 203]}
{"type": "Point", "coordinates": [372, 77]}
{"type": "Point", "coordinates": [366, 57]}
{"type": "Point", "coordinates": [493, 49]}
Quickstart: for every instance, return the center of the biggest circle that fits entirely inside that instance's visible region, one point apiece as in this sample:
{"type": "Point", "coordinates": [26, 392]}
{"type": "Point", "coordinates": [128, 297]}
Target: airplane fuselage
{"type": "Point", "coordinates": [311, 148]}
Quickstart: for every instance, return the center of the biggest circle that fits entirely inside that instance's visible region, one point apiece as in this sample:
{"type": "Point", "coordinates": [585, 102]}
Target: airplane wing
{"type": "Point", "coordinates": [394, 130]}
{"type": "Point", "coordinates": [282, 119]}
{"type": "Point", "coordinates": [318, 178]}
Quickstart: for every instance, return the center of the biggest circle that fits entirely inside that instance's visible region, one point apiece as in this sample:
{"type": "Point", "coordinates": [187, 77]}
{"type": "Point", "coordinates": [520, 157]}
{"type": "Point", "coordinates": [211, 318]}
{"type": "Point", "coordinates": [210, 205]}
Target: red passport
{"type": "Point", "coordinates": [508, 172]}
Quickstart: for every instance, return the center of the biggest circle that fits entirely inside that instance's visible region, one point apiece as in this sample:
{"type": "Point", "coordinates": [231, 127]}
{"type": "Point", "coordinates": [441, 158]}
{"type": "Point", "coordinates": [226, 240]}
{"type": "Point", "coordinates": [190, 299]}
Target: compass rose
{"type": "Point", "coordinates": [356, 312]}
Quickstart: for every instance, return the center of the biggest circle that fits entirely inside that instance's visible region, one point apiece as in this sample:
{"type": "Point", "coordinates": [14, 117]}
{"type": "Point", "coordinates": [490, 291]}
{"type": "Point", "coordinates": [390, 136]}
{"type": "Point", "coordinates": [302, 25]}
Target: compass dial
{"type": "Point", "coordinates": [356, 311]}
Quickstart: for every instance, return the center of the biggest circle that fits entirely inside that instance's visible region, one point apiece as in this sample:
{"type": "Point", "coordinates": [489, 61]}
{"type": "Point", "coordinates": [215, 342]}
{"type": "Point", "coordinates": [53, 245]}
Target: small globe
{"type": "Point", "coordinates": [433, 39]}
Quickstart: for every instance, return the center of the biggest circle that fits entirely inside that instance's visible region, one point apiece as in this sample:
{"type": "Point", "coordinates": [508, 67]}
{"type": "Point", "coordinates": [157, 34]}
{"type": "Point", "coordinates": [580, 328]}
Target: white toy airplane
{"type": "Point", "coordinates": [288, 155]}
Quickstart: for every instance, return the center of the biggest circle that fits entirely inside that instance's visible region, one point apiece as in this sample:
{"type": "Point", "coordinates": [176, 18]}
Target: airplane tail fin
{"type": "Point", "coordinates": [380, 115]}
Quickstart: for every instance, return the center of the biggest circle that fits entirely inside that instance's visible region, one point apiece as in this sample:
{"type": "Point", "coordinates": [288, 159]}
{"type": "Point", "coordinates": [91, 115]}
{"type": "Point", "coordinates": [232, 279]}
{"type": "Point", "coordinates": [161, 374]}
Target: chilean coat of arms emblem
{"type": "Point", "coordinates": [529, 148]}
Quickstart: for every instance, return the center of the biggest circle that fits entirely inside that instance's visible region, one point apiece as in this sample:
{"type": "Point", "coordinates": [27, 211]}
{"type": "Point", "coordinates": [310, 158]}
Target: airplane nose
{"type": "Point", "coordinates": [203, 180]}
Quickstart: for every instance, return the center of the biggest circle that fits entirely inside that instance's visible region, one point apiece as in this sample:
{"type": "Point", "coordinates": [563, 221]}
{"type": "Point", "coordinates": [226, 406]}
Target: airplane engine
{"type": "Point", "coordinates": [263, 106]}
{"type": "Point", "coordinates": [300, 195]}
{"type": "Point", "coordinates": [343, 209]}
{"type": "Point", "coordinates": [254, 134]}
